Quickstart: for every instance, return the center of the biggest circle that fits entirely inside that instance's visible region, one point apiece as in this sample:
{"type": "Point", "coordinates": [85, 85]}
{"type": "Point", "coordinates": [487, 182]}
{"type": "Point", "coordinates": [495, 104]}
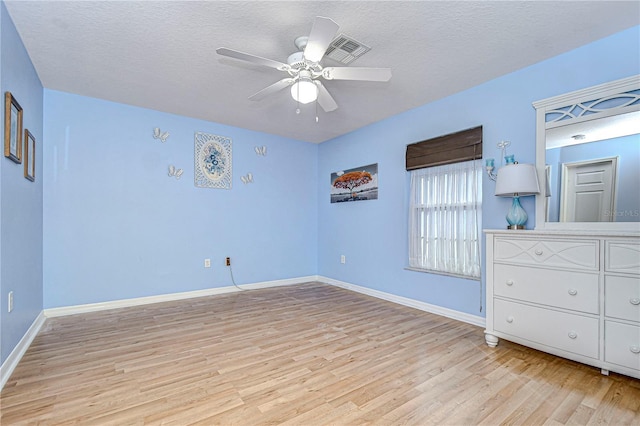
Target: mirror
{"type": "Point", "coordinates": [588, 158]}
{"type": "Point", "coordinates": [593, 170]}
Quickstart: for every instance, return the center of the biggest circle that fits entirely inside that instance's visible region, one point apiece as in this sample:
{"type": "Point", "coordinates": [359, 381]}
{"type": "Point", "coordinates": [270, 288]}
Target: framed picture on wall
{"type": "Point", "coordinates": [212, 161]}
{"type": "Point", "coordinates": [12, 128]}
{"type": "Point", "coordinates": [356, 184]}
{"type": "Point", "coordinates": [29, 156]}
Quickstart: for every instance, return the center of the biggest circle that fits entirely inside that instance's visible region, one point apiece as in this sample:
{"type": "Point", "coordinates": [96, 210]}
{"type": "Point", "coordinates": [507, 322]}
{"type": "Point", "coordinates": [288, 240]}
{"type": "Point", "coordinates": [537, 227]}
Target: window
{"type": "Point", "coordinates": [445, 218]}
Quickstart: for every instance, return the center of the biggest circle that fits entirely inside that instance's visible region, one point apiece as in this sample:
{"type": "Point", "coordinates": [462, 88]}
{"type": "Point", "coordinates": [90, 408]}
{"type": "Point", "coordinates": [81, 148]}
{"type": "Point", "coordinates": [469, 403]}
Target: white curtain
{"type": "Point", "coordinates": [445, 218]}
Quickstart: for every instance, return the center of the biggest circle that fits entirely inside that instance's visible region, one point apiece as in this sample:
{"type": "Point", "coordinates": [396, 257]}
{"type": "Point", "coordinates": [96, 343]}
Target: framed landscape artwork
{"type": "Point", "coordinates": [356, 184]}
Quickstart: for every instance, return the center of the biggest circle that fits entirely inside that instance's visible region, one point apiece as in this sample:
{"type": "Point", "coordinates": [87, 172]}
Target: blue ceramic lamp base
{"type": "Point", "coordinates": [517, 216]}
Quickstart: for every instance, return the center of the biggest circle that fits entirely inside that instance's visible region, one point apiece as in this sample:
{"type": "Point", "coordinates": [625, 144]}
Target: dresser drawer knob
{"type": "Point", "coordinates": [538, 252]}
{"type": "Point", "coordinates": [510, 283]}
{"type": "Point", "coordinates": [509, 319]}
{"type": "Point", "coordinates": [573, 291]}
{"type": "Point", "coordinates": [634, 301]}
{"type": "Point", "coordinates": [635, 349]}
{"type": "Point", "coordinates": [573, 335]}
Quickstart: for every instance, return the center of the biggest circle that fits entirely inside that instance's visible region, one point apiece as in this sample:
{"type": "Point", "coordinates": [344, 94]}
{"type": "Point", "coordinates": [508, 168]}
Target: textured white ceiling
{"type": "Point", "coordinates": [161, 55]}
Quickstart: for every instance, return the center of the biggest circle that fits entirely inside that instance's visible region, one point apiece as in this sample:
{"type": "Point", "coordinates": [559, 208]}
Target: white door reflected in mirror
{"type": "Point", "coordinates": [588, 191]}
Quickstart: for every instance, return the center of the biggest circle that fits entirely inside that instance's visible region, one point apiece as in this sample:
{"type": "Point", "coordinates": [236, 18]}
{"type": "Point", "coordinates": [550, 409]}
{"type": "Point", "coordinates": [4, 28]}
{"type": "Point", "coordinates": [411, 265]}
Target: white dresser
{"type": "Point", "coordinates": [572, 294]}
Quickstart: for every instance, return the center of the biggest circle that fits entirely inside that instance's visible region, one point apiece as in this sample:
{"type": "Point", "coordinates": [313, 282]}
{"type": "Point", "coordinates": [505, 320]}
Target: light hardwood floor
{"type": "Point", "coordinates": [307, 354]}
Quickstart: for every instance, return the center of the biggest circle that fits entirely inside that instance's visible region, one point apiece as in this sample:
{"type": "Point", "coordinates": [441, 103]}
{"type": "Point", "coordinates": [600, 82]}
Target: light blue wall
{"type": "Point", "coordinates": [117, 226]}
{"type": "Point", "coordinates": [373, 234]}
{"type": "Point", "coordinates": [20, 199]}
{"type": "Point", "coordinates": [627, 149]}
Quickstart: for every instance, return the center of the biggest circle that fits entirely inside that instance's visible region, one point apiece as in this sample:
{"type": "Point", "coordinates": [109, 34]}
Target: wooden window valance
{"type": "Point", "coordinates": [453, 148]}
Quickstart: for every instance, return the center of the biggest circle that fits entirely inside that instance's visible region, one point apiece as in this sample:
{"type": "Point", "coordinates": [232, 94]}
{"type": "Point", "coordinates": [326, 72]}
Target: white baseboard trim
{"type": "Point", "coordinates": [9, 364]}
{"type": "Point", "coordinates": [125, 303]}
{"type": "Point", "coordinates": [412, 303]}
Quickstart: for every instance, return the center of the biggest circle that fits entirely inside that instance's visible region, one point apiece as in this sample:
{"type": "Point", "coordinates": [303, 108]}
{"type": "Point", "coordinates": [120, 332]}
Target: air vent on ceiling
{"type": "Point", "coordinates": [345, 50]}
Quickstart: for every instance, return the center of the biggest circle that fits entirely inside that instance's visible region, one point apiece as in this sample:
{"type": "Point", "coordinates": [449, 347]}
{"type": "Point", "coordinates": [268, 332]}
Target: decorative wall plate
{"type": "Point", "coordinates": [212, 161]}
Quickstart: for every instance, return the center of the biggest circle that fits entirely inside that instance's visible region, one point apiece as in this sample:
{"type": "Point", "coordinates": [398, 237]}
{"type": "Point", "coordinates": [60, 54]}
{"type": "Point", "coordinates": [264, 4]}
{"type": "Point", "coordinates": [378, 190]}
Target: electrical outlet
{"type": "Point", "coordinates": [207, 263]}
{"type": "Point", "coordinates": [343, 259]}
{"type": "Point", "coordinates": [227, 261]}
{"type": "Point", "coordinates": [10, 301]}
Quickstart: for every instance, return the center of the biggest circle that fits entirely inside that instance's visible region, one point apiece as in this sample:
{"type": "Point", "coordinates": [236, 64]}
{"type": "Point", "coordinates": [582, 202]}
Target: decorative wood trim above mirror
{"type": "Point", "coordinates": [563, 117]}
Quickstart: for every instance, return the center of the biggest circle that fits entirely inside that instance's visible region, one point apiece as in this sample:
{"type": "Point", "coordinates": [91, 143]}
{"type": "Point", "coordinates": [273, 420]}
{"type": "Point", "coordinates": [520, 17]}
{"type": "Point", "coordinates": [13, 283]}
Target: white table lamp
{"type": "Point", "coordinates": [517, 180]}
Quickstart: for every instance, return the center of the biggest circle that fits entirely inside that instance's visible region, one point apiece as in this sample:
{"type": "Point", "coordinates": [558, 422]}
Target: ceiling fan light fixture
{"type": "Point", "coordinates": [304, 90]}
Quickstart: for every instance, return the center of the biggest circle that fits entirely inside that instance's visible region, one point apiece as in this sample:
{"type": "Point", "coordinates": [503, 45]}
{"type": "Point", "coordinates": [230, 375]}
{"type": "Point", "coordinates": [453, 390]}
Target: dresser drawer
{"type": "Point", "coordinates": [576, 254]}
{"type": "Point", "coordinates": [568, 332]}
{"type": "Point", "coordinates": [622, 297]}
{"type": "Point", "coordinates": [622, 257]}
{"type": "Point", "coordinates": [622, 344]}
{"type": "Point", "coordinates": [577, 291]}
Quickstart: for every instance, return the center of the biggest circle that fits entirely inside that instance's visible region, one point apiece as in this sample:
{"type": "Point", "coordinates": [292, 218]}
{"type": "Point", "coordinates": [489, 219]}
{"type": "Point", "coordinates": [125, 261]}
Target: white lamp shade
{"type": "Point", "coordinates": [304, 90]}
{"type": "Point", "coordinates": [520, 179]}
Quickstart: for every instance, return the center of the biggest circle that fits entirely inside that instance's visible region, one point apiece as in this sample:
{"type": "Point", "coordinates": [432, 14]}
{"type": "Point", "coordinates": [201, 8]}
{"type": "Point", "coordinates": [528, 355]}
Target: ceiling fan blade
{"type": "Point", "coordinates": [325, 99]}
{"type": "Point", "coordinates": [275, 87]}
{"type": "Point", "coordinates": [322, 33]}
{"type": "Point", "coordinates": [357, 73]}
{"type": "Point", "coordinates": [252, 58]}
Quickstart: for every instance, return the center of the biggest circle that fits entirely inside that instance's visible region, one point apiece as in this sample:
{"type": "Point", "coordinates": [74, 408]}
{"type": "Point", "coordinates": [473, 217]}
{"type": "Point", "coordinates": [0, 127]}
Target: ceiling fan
{"type": "Point", "coordinates": [304, 69]}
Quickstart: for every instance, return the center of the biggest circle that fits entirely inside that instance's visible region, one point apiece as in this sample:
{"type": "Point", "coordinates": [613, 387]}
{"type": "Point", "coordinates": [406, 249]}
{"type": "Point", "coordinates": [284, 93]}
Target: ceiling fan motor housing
{"type": "Point", "coordinates": [296, 60]}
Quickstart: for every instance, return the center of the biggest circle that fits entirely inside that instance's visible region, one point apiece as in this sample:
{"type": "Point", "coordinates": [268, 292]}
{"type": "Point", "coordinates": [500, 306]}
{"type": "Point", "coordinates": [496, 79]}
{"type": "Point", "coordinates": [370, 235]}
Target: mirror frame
{"type": "Point", "coordinates": [561, 111]}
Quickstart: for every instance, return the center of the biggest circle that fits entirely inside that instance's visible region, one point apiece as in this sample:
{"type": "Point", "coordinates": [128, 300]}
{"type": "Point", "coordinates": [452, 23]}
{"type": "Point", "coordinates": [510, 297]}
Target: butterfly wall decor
{"type": "Point", "coordinates": [247, 179]}
{"type": "Point", "coordinates": [158, 134]}
{"type": "Point", "coordinates": [174, 172]}
{"type": "Point", "coordinates": [261, 150]}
